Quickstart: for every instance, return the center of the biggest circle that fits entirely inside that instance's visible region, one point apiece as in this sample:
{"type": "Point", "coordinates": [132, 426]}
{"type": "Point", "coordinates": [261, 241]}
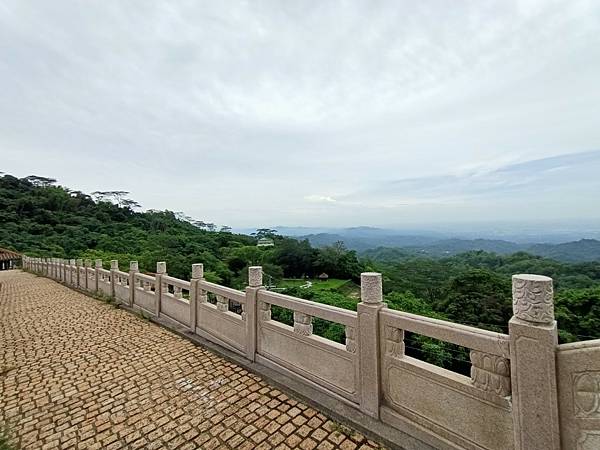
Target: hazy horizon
{"type": "Point", "coordinates": [319, 114]}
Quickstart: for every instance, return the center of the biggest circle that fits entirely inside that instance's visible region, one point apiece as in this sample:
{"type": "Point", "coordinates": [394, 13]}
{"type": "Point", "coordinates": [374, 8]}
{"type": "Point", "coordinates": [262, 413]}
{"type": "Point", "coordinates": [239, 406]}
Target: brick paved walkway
{"type": "Point", "coordinates": [79, 373]}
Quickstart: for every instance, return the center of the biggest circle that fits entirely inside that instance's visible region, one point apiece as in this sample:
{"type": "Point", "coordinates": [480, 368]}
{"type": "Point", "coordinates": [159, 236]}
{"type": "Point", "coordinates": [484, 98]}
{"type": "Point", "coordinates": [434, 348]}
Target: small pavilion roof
{"type": "Point", "coordinates": [7, 255]}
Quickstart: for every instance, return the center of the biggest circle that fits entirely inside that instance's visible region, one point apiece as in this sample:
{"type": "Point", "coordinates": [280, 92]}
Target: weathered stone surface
{"type": "Point", "coordinates": [371, 290]}
{"type": "Point", "coordinates": [255, 276]}
{"type": "Point", "coordinates": [490, 373]}
{"type": "Point", "coordinates": [302, 324]}
{"type": "Point", "coordinates": [579, 394]}
{"type": "Point", "coordinates": [533, 298]}
{"type": "Point", "coordinates": [264, 311]}
{"type": "Point", "coordinates": [394, 342]}
{"type": "Point", "coordinates": [350, 339]}
{"type": "Point", "coordinates": [197, 271]}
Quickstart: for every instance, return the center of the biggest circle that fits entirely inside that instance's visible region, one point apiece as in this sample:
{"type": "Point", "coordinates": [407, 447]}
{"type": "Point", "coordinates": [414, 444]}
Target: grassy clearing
{"type": "Point", "coordinates": [332, 284]}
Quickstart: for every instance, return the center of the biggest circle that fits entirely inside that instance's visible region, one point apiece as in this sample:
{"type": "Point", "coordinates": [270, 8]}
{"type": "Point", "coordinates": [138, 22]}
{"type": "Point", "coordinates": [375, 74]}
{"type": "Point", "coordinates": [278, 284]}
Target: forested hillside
{"type": "Point", "coordinates": [40, 218]}
{"type": "Point", "coordinates": [43, 219]}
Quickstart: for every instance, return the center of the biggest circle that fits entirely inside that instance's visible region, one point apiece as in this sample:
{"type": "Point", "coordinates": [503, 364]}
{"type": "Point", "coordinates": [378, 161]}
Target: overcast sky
{"type": "Point", "coordinates": [310, 113]}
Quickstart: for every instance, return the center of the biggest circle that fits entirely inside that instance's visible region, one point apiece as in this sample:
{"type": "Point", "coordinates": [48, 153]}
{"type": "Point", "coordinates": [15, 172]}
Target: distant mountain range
{"type": "Point", "coordinates": [363, 240]}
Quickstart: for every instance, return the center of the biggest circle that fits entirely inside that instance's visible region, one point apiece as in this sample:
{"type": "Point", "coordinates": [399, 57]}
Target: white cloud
{"type": "Point", "coordinates": [233, 111]}
{"type": "Point", "coordinates": [319, 199]}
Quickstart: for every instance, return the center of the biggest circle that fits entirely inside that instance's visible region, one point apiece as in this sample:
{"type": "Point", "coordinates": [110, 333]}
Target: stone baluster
{"type": "Point", "coordinates": [249, 314]}
{"type": "Point", "coordinates": [72, 275]}
{"type": "Point", "coordinates": [133, 269]}
{"type": "Point", "coordinates": [88, 265]}
{"type": "Point", "coordinates": [98, 266]}
{"type": "Point", "coordinates": [222, 303]}
{"type": "Point", "coordinates": [114, 266]}
{"type": "Point", "coordinates": [371, 294]}
{"type": "Point", "coordinates": [350, 339]}
{"type": "Point", "coordinates": [195, 294]}
{"type": "Point", "coordinates": [533, 342]}
{"type": "Point", "coordinates": [490, 373]}
{"type": "Point", "coordinates": [394, 342]}
{"type": "Point", "coordinates": [177, 293]}
{"type": "Point", "coordinates": [302, 324]}
{"type": "Point", "coordinates": [79, 265]}
{"type": "Point", "coordinates": [160, 288]}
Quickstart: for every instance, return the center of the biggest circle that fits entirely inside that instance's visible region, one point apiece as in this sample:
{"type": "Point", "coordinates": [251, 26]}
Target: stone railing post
{"type": "Point", "coordinates": [533, 342]}
{"type": "Point", "coordinates": [133, 269]}
{"type": "Point", "coordinates": [97, 267]}
{"type": "Point", "coordinates": [114, 266]}
{"type": "Point", "coordinates": [371, 294]}
{"type": "Point", "coordinates": [63, 270]}
{"type": "Point", "coordinates": [87, 265]}
{"type": "Point", "coordinates": [79, 264]}
{"type": "Point", "coordinates": [255, 283]}
{"type": "Point", "coordinates": [197, 276]}
{"type": "Point", "coordinates": [161, 270]}
{"type": "Point", "coordinates": [72, 279]}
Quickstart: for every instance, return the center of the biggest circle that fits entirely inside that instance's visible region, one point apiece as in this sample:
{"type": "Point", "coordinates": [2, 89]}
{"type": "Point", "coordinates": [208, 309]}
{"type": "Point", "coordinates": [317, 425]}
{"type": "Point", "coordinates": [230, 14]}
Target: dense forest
{"type": "Point", "coordinates": [40, 218]}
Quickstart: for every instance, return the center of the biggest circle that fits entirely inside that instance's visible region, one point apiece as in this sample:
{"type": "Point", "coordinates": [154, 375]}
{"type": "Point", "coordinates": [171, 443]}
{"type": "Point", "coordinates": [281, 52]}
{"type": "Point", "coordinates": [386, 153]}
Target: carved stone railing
{"type": "Point", "coordinates": [524, 391]}
{"type": "Point", "coordinates": [296, 349]}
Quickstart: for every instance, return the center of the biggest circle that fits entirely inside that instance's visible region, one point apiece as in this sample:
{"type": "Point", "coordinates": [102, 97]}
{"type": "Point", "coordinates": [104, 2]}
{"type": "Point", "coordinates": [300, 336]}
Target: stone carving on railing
{"type": "Point", "coordinates": [265, 311]}
{"type": "Point", "coordinates": [302, 324]}
{"type": "Point", "coordinates": [586, 392]}
{"type": "Point", "coordinates": [533, 298]}
{"type": "Point", "coordinates": [490, 373]}
{"type": "Point", "coordinates": [589, 440]}
{"type": "Point", "coordinates": [350, 339]}
{"type": "Point", "coordinates": [394, 342]}
{"type": "Point", "coordinates": [202, 296]}
{"type": "Point", "coordinates": [222, 303]}
{"type": "Point", "coordinates": [255, 276]}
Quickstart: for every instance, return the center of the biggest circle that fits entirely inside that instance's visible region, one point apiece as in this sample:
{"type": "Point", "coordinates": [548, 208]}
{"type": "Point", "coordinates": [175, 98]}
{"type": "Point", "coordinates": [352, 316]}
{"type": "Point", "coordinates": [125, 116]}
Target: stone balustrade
{"type": "Point", "coordinates": [525, 392]}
